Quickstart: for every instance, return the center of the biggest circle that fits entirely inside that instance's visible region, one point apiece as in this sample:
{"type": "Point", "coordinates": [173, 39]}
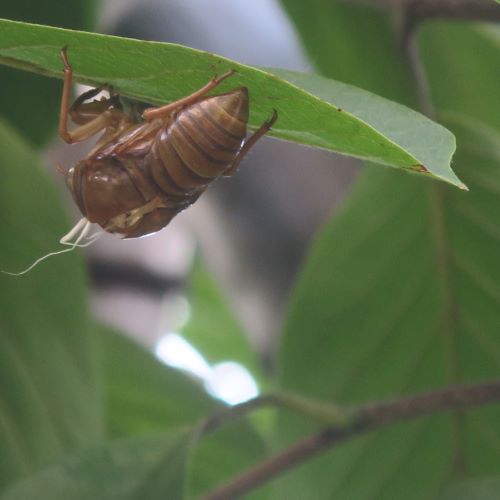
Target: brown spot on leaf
{"type": "Point", "coordinates": [421, 168]}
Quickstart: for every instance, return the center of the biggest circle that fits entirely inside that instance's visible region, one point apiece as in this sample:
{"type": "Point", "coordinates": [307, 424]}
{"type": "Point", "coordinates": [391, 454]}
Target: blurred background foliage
{"type": "Point", "coordinates": [397, 293]}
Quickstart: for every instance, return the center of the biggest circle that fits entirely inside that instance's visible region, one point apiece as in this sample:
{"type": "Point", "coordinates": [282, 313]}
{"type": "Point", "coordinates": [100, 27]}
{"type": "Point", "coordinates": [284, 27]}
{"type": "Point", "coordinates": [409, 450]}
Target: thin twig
{"type": "Point", "coordinates": [410, 52]}
{"type": "Point", "coordinates": [276, 465]}
{"type": "Point", "coordinates": [323, 412]}
{"type": "Point", "coordinates": [365, 418]}
{"type": "Point", "coordinates": [219, 418]}
{"type": "Point", "coordinates": [467, 10]}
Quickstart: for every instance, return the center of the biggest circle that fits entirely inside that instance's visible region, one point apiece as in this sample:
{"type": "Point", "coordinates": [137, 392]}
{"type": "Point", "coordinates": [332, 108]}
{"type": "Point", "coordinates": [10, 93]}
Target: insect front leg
{"type": "Point", "coordinates": [153, 113]}
{"type": "Point", "coordinates": [93, 117]}
{"type": "Point", "coordinates": [263, 129]}
{"type": "Point", "coordinates": [82, 112]}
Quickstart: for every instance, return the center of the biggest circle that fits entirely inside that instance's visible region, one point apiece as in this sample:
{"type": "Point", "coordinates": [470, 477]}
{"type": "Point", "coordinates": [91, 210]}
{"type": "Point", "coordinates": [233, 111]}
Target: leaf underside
{"type": "Point", "coordinates": [379, 130]}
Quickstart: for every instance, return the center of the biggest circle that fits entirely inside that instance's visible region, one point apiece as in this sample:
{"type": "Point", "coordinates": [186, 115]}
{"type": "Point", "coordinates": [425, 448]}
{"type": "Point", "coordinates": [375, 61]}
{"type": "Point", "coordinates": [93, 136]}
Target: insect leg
{"type": "Point", "coordinates": [263, 129]}
{"type": "Point", "coordinates": [82, 112]}
{"type": "Point", "coordinates": [78, 228]}
{"type": "Point", "coordinates": [101, 121]}
{"type": "Point", "coordinates": [153, 113]}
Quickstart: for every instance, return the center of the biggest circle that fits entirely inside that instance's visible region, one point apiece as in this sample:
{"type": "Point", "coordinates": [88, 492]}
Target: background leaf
{"type": "Point", "coordinates": [219, 457]}
{"type": "Point", "coordinates": [143, 396]}
{"type": "Point", "coordinates": [479, 489]}
{"type": "Point", "coordinates": [152, 468]}
{"type": "Point", "coordinates": [31, 102]}
{"type": "Point", "coordinates": [336, 36]}
{"type": "Point", "coordinates": [137, 69]}
{"type": "Point", "coordinates": [44, 326]}
{"type": "Point", "coordinates": [213, 328]}
{"type": "Point", "coordinates": [468, 82]}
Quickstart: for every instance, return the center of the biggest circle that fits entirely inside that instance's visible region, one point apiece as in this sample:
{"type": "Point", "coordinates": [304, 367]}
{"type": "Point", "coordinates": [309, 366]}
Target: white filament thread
{"type": "Point", "coordinates": [83, 227]}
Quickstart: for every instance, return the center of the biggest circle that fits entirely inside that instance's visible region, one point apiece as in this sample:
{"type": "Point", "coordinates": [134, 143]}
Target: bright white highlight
{"type": "Point", "coordinates": [229, 381]}
{"type": "Point", "coordinates": [232, 383]}
{"type": "Point", "coordinates": [175, 351]}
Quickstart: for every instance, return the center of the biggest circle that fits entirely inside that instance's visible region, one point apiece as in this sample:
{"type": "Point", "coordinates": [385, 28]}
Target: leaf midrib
{"type": "Point", "coordinates": [448, 317]}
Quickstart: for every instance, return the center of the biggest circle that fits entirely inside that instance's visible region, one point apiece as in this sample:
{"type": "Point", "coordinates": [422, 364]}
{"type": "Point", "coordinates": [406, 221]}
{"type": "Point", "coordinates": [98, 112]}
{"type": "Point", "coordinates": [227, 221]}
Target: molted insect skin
{"type": "Point", "coordinates": [201, 143]}
{"type": "Point", "coordinates": [141, 174]}
{"type": "Point", "coordinates": [114, 189]}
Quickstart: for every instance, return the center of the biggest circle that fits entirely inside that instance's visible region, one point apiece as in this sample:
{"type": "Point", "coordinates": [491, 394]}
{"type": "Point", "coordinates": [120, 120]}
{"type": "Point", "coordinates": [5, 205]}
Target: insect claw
{"type": "Point", "coordinates": [217, 79]}
{"type": "Point", "coordinates": [273, 119]}
{"type": "Point", "coordinates": [64, 57]}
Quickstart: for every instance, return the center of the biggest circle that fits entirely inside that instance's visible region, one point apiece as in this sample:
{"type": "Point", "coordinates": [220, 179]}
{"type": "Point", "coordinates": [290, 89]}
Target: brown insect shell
{"type": "Point", "coordinates": [141, 175]}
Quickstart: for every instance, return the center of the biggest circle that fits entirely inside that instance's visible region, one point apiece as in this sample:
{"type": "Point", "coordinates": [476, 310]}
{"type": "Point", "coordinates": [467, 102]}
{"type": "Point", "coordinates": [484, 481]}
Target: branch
{"type": "Point", "coordinates": [364, 418]}
{"type": "Point", "coordinates": [470, 10]}
{"type": "Point", "coordinates": [321, 411]}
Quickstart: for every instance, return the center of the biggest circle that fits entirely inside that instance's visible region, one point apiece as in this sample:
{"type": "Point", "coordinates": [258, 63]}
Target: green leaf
{"type": "Point", "coordinates": [137, 69]}
{"type": "Point", "coordinates": [151, 468]}
{"type": "Point", "coordinates": [400, 294]}
{"type": "Point", "coordinates": [212, 327]}
{"type": "Point", "coordinates": [486, 488]}
{"type": "Point", "coordinates": [30, 102]}
{"type": "Point", "coordinates": [461, 62]}
{"type": "Point", "coordinates": [336, 35]}
{"type": "Point", "coordinates": [349, 29]}
{"type": "Point", "coordinates": [49, 400]}
{"type": "Point", "coordinates": [389, 118]}
{"type": "Point", "coordinates": [214, 330]}
{"type": "Point", "coordinates": [217, 458]}
{"type": "Point", "coordinates": [142, 394]}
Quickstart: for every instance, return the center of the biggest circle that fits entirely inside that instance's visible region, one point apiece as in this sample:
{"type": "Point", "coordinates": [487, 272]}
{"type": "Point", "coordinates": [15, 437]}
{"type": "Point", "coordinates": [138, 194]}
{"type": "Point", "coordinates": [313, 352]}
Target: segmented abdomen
{"type": "Point", "coordinates": [200, 144]}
